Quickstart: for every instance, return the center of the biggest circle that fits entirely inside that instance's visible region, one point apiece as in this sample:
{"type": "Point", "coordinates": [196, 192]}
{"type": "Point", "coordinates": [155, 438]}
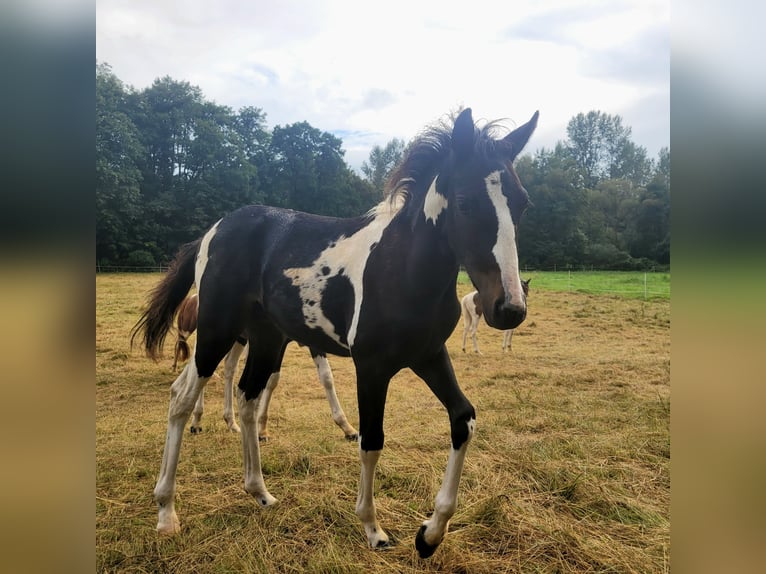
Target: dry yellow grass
{"type": "Point", "coordinates": [569, 470]}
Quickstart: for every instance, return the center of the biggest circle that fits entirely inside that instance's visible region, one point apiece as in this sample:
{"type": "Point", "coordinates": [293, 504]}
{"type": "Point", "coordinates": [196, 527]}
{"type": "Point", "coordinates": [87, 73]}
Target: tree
{"type": "Point", "coordinates": [551, 232]}
{"type": "Point", "coordinates": [308, 173]}
{"type": "Point", "coordinates": [601, 147]}
{"type": "Point", "coordinates": [381, 163]}
{"type": "Point", "coordinates": [118, 178]}
{"type": "Point", "coordinates": [169, 163]}
{"type": "Point", "coordinates": [648, 231]}
{"type": "Point", "coordinates": [197, 164]}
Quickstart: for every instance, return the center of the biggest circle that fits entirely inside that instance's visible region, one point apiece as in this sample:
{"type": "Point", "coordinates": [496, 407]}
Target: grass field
{"type": "Point", "coordinates": [569, 469]}
{"type": "Point", "coordinates": [633, 284]}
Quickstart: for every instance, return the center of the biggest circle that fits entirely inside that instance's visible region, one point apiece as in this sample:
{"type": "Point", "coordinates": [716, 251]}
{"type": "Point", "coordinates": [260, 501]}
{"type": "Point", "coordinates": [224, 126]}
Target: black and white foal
{"type": "Point", "coordinates": [380, 288]}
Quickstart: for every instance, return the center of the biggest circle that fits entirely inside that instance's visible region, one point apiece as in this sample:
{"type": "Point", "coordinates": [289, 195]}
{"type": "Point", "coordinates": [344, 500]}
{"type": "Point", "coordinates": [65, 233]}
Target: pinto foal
{"type": "Point", "coordinates": [378, 288]}
{"type": "Point", "coordinates": [472, 312]}
{"type": "Point", "coordinates": [187, 324]}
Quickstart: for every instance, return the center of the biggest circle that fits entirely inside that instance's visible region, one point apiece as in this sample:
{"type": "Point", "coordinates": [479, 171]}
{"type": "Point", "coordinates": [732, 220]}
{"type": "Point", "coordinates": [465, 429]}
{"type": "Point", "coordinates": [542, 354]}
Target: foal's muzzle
{"type": "Point", "coordinates": [507, 315]}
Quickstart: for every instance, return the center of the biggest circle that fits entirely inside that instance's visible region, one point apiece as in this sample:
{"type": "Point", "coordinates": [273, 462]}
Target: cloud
{"type": "Point", "coordinates": [649, 119]}
{"type": "Point", "coordinates": [643, 60]}
{"type": "Point", "coordinates": [376, 74]}
{"type": "Point", "coordinates": [376, 99]}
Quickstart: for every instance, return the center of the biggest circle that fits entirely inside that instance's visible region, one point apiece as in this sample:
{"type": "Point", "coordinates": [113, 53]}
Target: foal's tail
{"type": "Point", "coordinates": [164, 299]}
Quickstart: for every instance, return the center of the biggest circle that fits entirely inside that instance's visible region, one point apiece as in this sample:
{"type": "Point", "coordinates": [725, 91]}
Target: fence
{"type": "Point", "coordinates": [130, 269]}
{"type": "Point", "coordinates": [634, 284]}
{"type": "Point", "coordinates": [637, 284]}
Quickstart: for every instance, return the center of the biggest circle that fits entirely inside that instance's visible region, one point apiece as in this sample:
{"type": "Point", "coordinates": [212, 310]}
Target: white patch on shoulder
{"type": "Point", "coordinates": [434, 204]}
{"type": "Point", "coordinates": [348, 257]}
{"type": "Point", "coordinates": [202, 254]}
{"type": "Point", "coordinates": [505, 247]}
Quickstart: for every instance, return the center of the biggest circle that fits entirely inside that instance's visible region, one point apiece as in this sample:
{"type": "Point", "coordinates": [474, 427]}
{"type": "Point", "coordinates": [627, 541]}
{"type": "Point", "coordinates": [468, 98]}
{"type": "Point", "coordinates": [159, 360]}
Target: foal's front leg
{"type": "Point", "coordinates": [440, 378]}
{"type": "Point", "coordinates": [371, 396]}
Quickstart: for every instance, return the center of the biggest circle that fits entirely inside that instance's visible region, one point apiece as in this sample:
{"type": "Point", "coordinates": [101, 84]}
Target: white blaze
{"type": "Point", "coordinates": [505, 247]}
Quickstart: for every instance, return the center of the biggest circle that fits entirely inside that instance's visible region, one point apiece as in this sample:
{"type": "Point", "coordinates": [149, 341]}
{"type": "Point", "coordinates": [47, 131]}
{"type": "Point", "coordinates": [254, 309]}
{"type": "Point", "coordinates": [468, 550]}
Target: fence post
{"type": "Point", "coordinates": [569, 288]}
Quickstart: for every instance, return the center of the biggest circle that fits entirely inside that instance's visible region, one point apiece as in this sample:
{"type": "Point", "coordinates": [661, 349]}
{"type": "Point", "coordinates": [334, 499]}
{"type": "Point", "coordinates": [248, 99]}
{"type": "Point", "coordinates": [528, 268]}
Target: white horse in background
{"type": "Point", "coordinates": [472, 312]}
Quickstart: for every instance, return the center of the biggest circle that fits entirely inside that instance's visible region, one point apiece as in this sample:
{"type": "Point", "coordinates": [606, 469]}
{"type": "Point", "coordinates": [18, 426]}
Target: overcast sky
{"type": "Point", "coordinates": [368, 72]}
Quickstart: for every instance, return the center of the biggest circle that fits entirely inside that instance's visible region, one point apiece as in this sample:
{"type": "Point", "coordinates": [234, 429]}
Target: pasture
{"type": "Point", "coordinates": [569, 469]}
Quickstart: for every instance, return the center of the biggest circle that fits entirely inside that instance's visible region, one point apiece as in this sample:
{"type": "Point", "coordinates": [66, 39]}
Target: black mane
{"type": "Point", "coordinates": [426, 154]}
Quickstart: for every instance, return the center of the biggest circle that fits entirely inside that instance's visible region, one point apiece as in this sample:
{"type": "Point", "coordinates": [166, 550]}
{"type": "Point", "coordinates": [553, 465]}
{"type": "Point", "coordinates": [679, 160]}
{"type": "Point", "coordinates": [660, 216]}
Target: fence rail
{"type": "Point", "coordinates": [131, 269]}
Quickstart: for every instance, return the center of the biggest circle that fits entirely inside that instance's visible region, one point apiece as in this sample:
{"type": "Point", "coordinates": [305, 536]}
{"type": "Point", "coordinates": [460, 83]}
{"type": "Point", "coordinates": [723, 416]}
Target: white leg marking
{"type": "Point", "coordinates": [505, 247]}
{"type": "Point", "coordinates": [229, 369]}
{"type": "Point", "coordinates": [474, 328]}
{"type": "Point", "coordinates": [183, 395]}
{"type": "Point", "coordinates": [507, 335]}
{"type": "Point", "coordinates": [464, 304]}
{"type": "Point", "coordinates": [365, 503]}
{"type": "Point", "coordinates": [434, 203]}
{"type": "Point", "coordinates": [328, 382]}
{"type": "Point", "coordinates": [251, 450]}
{"type": "Point", "coordinates": [446, 499]}
{"type": "Point", "coordinates": [199, 409]}
{"type": "Point", "coordinates": [263, 405]}
{"type": "Point", "coordinates": [347, 256]}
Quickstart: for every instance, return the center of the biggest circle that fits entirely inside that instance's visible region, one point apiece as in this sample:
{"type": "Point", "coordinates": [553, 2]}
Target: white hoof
{"type": "Point", "coordinates": [376, 537]}
{"type": "Point", "coordinates": [262, 496]}
{"type": "Point", "coordinates": [265, 499]}
{"type": "Point", "coordinates": [168, 523]}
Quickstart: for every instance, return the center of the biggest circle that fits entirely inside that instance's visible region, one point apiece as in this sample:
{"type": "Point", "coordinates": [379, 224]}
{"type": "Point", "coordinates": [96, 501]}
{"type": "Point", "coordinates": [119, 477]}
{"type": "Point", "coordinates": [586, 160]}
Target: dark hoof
{"type": "Point", "coordinates": [195, 430]}
{"type": "Point", "coordinates": [352, 437]}
{"type": "Point", "coordinates": [425, 550]}
{"type": "Point", "coordinates": [263, 438]}
{"type": "Point", "coordinates": [383, 544]}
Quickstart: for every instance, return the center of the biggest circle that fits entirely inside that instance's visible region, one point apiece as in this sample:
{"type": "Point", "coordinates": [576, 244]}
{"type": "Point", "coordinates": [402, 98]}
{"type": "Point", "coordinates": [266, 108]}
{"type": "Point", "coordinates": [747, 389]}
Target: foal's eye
{"type": "Point", "coordinates": [465, 205]}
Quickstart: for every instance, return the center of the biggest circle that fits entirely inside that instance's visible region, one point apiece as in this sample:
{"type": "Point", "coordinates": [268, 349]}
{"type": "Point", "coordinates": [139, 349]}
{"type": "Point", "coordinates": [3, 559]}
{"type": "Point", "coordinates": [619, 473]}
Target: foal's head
{"type": "Point", "coordinates": [484, 201]}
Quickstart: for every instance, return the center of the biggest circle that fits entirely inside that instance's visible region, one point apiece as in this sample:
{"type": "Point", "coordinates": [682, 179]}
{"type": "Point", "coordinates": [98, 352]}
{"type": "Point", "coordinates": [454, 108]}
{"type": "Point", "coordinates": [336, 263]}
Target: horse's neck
{"type": "Point", "coordinates": [430, 258]}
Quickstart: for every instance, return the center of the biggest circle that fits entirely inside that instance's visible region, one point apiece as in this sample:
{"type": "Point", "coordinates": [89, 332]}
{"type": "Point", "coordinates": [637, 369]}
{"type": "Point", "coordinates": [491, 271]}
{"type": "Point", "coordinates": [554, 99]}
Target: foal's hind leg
{"type": "Point", "coordinates": [328, 382]}
{"type": "Point", "coordinates": [183, 395]}
{"type": "Point", "coordinates": [440, 378]}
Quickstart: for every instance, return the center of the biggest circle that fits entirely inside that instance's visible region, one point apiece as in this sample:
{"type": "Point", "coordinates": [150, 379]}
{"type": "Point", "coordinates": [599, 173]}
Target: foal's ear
{"type": "Point", "coordinates": [462, 135]}
{"type": "Point", "coordinates": [518, 138]}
